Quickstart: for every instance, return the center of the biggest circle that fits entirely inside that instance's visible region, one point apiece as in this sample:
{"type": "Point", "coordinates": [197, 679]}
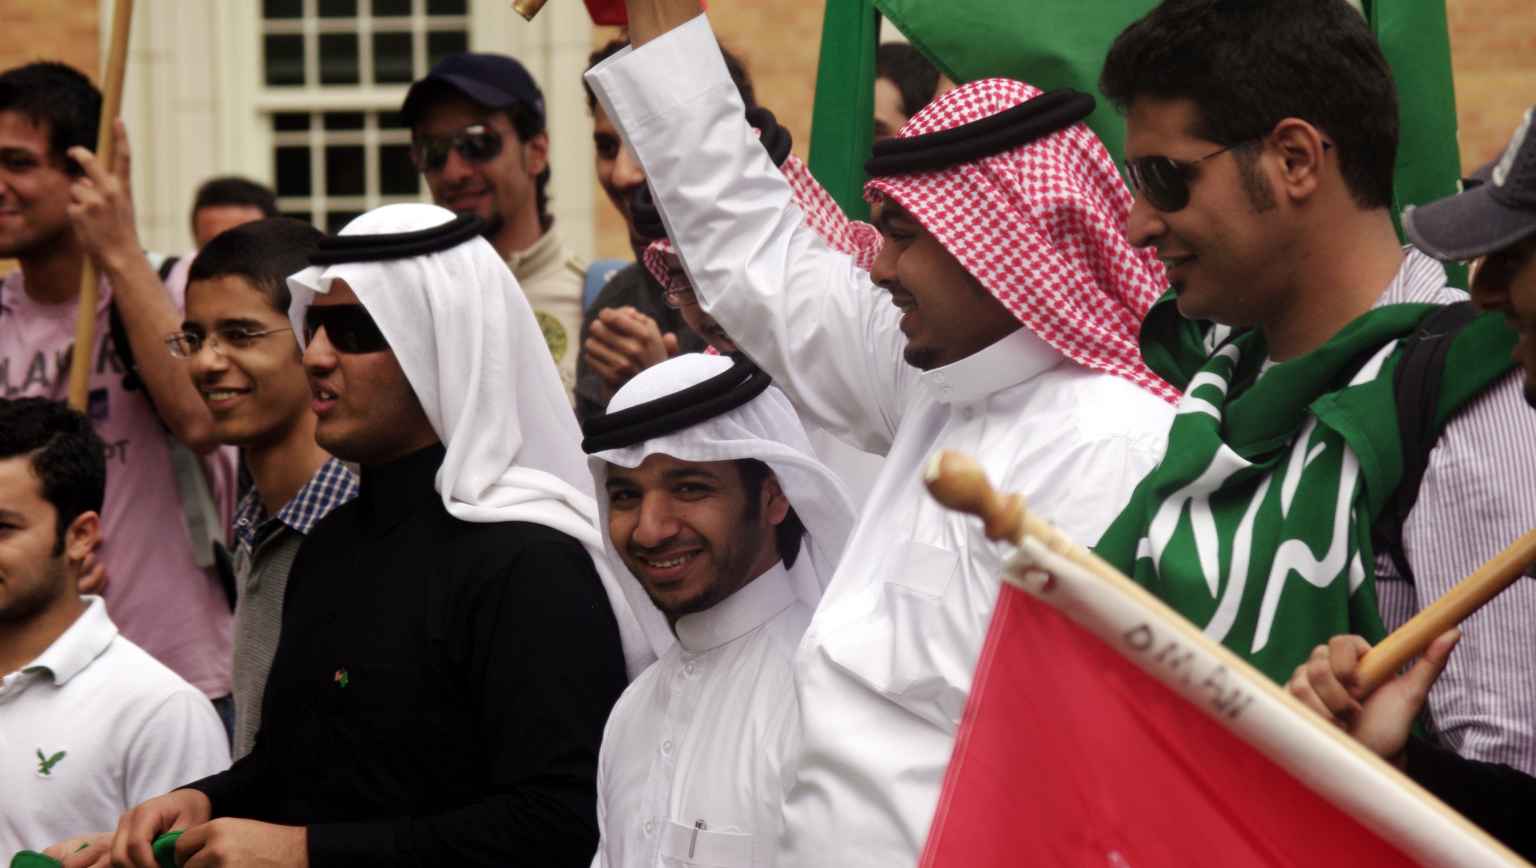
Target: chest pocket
{"type": "Point", "coordinates": [686, 847]}
{"type": "Point", "coordinates": [908, 646]}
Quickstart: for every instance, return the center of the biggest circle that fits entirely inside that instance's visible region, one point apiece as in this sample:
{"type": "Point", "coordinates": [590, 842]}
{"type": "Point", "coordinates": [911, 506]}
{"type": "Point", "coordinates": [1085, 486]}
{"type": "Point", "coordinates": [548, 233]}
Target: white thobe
{"type": "Point", "coordinates": [692, 769]}
{"type": "Point", "coordinates": [885, 667]}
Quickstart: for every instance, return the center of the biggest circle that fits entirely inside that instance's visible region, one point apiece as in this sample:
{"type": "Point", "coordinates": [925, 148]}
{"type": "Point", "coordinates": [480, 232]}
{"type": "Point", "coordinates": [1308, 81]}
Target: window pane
{"type": "Point", "coordinates": [338, 8]}
{"type": "Point", "coordinates": [287, 122]}
{"type": "Point", "coordinates": [397, 174]}
{"type": "Point", "coordinates": [441, 43]}
{"type": "Point", "coordinates": [392, 58]}
{"type": "Point", "coordinates": [293, 171]}
{"type": "Point", "coordinates": [284, 60]}
{"type": "Point", "coordinates": [338, 58]}
{"type": "Point", "coordinates": [343, 120]}
{"type": "Point", "coordinates": [391, 121]}
{"type": "Point", "coordinates": [446, 7]}
{"type": "Point", "coordinates": [282, 8]}
{"type": "Point", "coordinates": [391, 7]}
{"type": "Point", "coordinates": [344, 170]}
{"type": "Point", "coordinates": [335, 220]}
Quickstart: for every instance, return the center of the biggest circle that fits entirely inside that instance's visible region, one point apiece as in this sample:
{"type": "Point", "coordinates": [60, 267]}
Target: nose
{"type": "Point", "coordinates": [1145, 225]}
{"type": "Point", "coordinates": [627, 173]}
{"type": "Point", "coordinates": [455, 168]}
{"type": "Point", "coordinates": [883, 270]}
{"type": "Point", "coordinates": [319, 355]}
{"type": "Point", "coordinates": [207, 361]}
{"type": "Point", "coordinates": [658, 522]}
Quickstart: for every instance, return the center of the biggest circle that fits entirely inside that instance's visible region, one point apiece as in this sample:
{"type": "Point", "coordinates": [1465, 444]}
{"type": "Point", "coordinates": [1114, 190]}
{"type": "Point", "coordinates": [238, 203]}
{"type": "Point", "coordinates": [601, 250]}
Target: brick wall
{"type": "Point", "coordinates": [64, 30]}
{"type": "Point", "coordinates": [779, 43]}
{"type": "Point", "coordinates": [1493, 52]}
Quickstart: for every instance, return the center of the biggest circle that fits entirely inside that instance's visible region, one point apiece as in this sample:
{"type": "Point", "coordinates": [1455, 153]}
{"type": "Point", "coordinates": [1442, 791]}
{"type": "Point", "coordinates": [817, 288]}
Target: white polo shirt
{"type": "Point", "coordinates": [91, 728]}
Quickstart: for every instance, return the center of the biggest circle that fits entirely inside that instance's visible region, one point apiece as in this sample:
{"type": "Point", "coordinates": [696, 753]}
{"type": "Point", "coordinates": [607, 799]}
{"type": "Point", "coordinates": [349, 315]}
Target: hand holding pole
{"type": "Point", "coordinates": [111, 107]}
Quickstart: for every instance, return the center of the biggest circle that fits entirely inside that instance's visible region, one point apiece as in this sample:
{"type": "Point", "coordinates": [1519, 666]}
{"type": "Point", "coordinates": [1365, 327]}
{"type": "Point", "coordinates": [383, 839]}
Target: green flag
{"type": "Point", "coordinates": [1062, 43]}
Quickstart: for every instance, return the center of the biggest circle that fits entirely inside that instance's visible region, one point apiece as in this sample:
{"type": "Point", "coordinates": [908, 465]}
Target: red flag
{"type": "Point", "coordinates": [1072, 754]}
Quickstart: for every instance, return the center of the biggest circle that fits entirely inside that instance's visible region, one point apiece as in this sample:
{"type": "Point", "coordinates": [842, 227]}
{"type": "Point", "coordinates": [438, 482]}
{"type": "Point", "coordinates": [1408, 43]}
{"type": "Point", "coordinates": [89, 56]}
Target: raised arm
{"type": "Point", "coordinates": [102, 211]}
{"type": "Point", "coordinates": [800, 309]}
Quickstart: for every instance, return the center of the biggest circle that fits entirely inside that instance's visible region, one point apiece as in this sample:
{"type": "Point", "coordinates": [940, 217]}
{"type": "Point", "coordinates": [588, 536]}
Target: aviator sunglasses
{"type": "Point", "coordinates": [477, 143]}
{"type": "Point", "coordinates": [348, 327]}
{"type": "Point", "coordinates": [1164, 181]}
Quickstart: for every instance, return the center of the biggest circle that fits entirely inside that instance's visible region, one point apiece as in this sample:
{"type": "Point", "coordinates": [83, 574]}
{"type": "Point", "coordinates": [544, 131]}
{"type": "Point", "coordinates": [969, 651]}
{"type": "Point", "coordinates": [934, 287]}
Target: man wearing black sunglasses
{"type": "Point", "coordinates": [450, 648]}
{"type": "Point", "coordinates": [1261, 138]}
{"type": "Point", "coordinates": [479, 140]}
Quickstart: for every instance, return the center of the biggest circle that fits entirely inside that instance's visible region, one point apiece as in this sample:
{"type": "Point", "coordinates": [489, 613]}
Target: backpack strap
{"type": "Point", "coordinates": [1416, 387]}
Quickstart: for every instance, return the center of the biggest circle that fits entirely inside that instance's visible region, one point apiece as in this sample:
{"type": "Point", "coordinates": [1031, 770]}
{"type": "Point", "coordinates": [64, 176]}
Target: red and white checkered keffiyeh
{"type": "Point", "coordinates": [822, 214]}
{"type": "Point", "coordinates": [1042, 227]}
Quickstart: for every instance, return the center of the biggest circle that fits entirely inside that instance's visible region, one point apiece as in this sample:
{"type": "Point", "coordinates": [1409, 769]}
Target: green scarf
{"type": "Point", "coordinates": [1257, 523]}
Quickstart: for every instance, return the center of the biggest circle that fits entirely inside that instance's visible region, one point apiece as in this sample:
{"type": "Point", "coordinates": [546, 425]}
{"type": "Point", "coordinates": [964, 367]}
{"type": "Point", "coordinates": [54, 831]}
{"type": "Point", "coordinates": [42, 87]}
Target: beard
{"type": "Point", "coordinates": [25, 606]}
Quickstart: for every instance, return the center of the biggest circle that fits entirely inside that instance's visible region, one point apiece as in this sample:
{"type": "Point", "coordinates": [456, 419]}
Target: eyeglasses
{"type": "Point", "coordinates": [476, 143]}
{"type": "Point", "coordinates": [348, 327]}
{"type": "Point", "coordinates": [1164, 181]}
{"type": "Point", "coordinates": [186, 344]}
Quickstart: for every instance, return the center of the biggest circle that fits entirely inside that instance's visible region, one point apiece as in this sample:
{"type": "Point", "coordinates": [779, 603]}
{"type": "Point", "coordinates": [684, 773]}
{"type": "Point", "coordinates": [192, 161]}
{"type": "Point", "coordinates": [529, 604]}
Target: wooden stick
{"type": "Point", "coordinates": [1469, 595]}
{"type": "Point", "coordinates": [958, 482]}
{"type": "Point", "coordinates": [111, 106]}
{"type": "Point", "coordinates": [528, 8]}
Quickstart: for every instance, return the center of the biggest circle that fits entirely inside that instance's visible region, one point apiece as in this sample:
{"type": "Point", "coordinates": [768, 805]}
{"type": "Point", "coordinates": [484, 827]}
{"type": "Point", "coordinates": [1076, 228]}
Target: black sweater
{"type": "Point", "coordinates": [439, 691]}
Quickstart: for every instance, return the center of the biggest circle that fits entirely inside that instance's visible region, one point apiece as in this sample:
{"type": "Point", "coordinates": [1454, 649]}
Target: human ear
{"type": "Point", "coordinates": [1302, 150]}
{"type": "Point", "coordinates": [775, 506]}
{"type": "Point", "coordinates": [536, 153]}
{"type": "Point", "coordinates": [82, 536]}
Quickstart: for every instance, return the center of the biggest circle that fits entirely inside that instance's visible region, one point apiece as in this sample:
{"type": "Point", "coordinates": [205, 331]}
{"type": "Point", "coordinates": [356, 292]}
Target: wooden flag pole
{"type": "Point", "coordinates": [1469, 595]}
{"type": "Point", "coordinates": [959, 483]}
{"type": "Point", "coordinates": [111, 106]}
{"type": "Point", "coordinates": [528, 8]}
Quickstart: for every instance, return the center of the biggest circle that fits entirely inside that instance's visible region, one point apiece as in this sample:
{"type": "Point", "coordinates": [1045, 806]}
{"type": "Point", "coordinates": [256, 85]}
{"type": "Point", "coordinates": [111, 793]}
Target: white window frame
{"type": "Point", "coordinates": [196, 104]}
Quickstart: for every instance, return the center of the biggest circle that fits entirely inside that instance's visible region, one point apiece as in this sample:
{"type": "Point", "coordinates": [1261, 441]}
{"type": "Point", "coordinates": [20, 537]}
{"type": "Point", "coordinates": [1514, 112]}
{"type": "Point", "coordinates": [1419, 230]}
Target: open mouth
{"type": "Point", "coordinates": [671, 566]}
{"type": "Point", "coordinates": [217, 398]}
{"type": "Point", "coordinates": [324, 399]}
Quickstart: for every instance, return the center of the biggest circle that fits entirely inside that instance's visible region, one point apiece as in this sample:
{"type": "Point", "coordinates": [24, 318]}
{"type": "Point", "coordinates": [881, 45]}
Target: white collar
{"type": "Point", "coordinates": [83, 642]}
{"type": "Point", "coordinates": [739, 614]}
{"type": "Point", "coordinates": [1016, 358]}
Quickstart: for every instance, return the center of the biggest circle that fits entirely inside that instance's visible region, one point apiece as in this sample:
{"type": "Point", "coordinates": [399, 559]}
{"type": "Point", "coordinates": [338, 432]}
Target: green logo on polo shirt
{"type": "Point", "coordinates": [45, 764]}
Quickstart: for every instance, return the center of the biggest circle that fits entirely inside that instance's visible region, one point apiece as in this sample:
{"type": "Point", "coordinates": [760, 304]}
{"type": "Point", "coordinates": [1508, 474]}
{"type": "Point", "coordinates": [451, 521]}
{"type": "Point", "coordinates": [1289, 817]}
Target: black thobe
{"type": "Point", "coordinates": [439, 691]}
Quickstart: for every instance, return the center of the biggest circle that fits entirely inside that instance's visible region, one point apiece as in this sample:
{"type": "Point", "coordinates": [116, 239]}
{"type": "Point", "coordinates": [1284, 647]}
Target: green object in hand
{"type": "Point", "coordinates": [30, 859]}
{"type": "Point", "coordinates": [165, 849]}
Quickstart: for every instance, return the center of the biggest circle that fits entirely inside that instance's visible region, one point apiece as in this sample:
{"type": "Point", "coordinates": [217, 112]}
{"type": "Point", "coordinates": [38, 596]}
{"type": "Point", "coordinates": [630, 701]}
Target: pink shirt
{"type": "Point", "coordinates": [156, 594]}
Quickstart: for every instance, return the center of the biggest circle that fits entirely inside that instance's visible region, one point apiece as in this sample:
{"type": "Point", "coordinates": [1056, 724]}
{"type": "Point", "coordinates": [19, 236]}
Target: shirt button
{"type": "Point", "coordinates": [967, 414]}
{"type": "Point", "coordinates": [666, 747]}
{"type": "Point", "coordinates": [649, 827]}
{"type": "Point", "coordinates": [690, 669]}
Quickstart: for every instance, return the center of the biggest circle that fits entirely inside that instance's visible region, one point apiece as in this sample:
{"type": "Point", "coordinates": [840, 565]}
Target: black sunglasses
{"type": "Point", "coordinates": [348, 327]}
{"type": "Point", "coordinates": [1164, 181]}
{"type": "Point", "coordinates": [477, 144]}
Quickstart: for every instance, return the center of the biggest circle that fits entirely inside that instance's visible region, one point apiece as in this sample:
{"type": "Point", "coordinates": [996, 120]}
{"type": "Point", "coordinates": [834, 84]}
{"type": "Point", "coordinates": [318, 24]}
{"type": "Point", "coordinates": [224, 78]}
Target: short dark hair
{"type": "Point", "coordinates": [1248, 64]}
{"type": "Point", "coordinates": [915, 76]}
{"type": "Point", "coordinates": [234, 190]}
{"type": "Point", "coordinates": [58, 95]}
{"type": "Point", "coordinates": [733, 65]}
{"type": "Point", "coordinates": [263, 252]}
{"type": "Point", "coordinates": [787, 534]}
{"type": "Point", "coordinates": [67, 456]}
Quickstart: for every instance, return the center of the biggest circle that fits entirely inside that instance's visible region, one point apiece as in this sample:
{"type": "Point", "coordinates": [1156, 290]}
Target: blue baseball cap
{"type": "Point", "coordinates": [495, 81]}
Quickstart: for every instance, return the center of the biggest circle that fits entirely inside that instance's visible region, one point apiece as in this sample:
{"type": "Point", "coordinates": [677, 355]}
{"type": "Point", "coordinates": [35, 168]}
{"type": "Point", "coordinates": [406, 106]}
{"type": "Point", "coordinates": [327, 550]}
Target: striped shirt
{"type": "Point", "coordinates": [1477, 496]}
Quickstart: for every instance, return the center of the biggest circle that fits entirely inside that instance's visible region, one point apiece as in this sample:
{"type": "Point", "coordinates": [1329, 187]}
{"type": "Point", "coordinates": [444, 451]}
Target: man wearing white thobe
{"type": "Point", "coordinates": [725, 521]}
{"type": "Point", "coordinates": [1020, 341]}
